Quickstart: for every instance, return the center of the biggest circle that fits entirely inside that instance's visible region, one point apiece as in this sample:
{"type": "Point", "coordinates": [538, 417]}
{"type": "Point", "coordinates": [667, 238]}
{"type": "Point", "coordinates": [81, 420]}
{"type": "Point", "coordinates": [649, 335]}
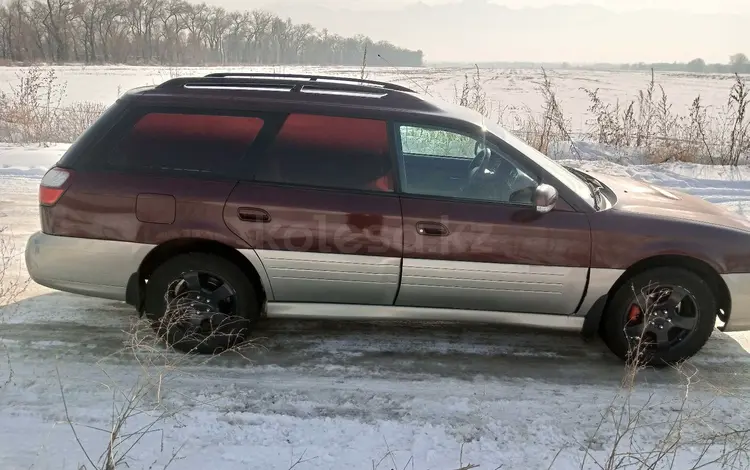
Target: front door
{"type": "Point", "coordinates": [321, 212]}
{"type": "Point", "coordinates": [472, 239]}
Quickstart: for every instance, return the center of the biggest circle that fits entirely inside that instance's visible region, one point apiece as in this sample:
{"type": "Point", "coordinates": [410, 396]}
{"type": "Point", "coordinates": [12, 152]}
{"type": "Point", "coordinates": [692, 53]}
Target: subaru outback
{"type": "Point", "coordinates": [262, 195]}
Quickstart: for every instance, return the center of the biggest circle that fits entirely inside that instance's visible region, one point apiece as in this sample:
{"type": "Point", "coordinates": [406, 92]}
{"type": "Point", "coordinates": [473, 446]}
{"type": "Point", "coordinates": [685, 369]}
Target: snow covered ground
{"type": "Point", "coordinates": [511, 89]}
{"type": "Point", "coordinates": [348, 396]}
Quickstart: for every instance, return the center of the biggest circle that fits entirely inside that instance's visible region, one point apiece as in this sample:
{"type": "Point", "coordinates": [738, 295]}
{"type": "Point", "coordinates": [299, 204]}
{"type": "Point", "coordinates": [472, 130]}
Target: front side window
{"type": "Point", "coordinates": [441, 162]}
{"type": "Point", "coordinates": [200, 143]}
{"type": "Point", "coordinates": [330, 152]}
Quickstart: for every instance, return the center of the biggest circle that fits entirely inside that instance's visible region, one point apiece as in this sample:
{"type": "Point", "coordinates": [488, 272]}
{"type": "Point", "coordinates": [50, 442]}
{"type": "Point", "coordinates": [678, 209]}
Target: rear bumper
{"type": "Point", "coordinates": [739, 292]}
{"type": "Point", "coordinates": [96, 268]}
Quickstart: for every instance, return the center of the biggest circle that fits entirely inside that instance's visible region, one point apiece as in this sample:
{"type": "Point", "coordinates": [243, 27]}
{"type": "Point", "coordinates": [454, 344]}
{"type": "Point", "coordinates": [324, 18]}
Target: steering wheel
{"type": "Point", "coordinates": [479, 154]}
{"type": "Point", "coordinates": [500, 183]}
{"type": "Point", "coordinates": [488, 184]}
{"type": "Point", "coordinates": [479, 145]}
{"type": "Point", "coordinates": [481, 159]}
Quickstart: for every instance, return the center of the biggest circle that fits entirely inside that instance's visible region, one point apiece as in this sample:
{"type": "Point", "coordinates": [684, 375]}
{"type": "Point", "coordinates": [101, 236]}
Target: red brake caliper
{"type": "Point", "coordinates": [634, 313]}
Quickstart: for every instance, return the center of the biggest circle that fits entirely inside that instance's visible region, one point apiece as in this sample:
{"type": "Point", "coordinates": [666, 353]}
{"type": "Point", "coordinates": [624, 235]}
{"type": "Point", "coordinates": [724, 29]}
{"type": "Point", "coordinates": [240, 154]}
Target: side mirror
{"type": "Point", "coordinates": [545, 198]}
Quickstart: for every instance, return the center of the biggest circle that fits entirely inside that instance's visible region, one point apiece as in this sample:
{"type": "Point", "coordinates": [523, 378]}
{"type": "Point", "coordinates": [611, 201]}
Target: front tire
{"type": "Point", "coordinates": [660, 316]}
{"type": "Point", "coordinates": [201, 303]}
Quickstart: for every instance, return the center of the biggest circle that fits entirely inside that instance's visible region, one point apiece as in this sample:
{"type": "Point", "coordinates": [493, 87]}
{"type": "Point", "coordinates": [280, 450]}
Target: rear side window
{"type": "Point", "coordinates": [185, 142]}
{"type": "Point", "coordinates": [92, 135]}
{"type": "Point", "coordinates": [331, 152]}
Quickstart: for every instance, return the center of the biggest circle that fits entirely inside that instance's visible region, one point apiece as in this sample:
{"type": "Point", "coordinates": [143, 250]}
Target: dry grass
{"type": "Point", "coordinates": [32, 111]}
{"type": "Point", "coordinates": [679, 442]}
{"type": "Point", "coordinates": [137, 402]}
{"type": "Point", "coordinates": [141, 410]}
{"type": "Point", "coordinates": [539, 129]}
{"type": "Point", "coordinates": [648, 123]}
{"type": "Point", "coordinates": [13, 282]}
{"type": "Point", "coordinates": [12, 279]}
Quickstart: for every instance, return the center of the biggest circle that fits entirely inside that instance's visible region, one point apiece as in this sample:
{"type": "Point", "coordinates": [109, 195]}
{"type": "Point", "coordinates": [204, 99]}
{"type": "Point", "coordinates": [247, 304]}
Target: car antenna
{"type": "Point", "coordinates": [405, 75]}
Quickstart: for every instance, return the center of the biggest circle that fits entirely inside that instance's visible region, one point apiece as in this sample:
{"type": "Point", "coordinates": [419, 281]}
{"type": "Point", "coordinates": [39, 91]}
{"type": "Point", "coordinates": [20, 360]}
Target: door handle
{"type": "Point", "coordinates": [252, 214]}
{"type": "Point", "coordinates": [432, 229]}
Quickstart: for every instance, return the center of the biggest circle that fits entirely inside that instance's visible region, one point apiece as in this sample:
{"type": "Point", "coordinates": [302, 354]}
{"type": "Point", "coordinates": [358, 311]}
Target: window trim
{"type": "Point", "coordinates": [95, 161]}
{"type": "Point", "coordinates": [279, 184]}
{"type": "Point", "coordinates": [510, 154]}
{"type": "Point", "coordinates": [280, 118]}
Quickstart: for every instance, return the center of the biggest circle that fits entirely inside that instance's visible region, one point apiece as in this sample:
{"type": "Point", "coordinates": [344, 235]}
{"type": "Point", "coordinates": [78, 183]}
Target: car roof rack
{"type": "Point", "coordinates": [337, 88]}
{"type": "Point", "coordinates": [284, 82]}
{"type": "Point", "coordinates": [311, 78]}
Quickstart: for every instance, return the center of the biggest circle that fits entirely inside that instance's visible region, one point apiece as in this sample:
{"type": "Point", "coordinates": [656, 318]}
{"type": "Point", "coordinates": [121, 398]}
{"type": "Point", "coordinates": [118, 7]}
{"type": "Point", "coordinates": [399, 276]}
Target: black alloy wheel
{"type": "Point", "coordinates": [201, 303]}
{"type": "Point", "coordinates": [660, 316]}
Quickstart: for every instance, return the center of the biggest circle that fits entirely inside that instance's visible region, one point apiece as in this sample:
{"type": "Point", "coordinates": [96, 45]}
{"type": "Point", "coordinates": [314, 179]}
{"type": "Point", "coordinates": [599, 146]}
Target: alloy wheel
{"type": "Point", "coordinates": [661, 317]}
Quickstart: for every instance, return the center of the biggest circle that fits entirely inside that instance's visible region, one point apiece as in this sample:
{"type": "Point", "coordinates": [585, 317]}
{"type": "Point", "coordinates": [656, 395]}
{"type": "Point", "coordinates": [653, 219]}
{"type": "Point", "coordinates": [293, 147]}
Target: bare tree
{"type": "Point", "coordinates": [173, 32]}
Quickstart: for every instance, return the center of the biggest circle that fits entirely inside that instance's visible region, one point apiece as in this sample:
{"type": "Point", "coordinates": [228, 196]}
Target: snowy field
{"type": "Point", "coordinates": [506, 88]}
{"type": "Point", "coordinates": [327, 395]}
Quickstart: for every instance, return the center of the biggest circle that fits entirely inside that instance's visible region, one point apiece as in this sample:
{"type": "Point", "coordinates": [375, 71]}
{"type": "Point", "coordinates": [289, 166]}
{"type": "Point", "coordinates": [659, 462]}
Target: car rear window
{"type": "Point", "coordinates": [185, 142]}
{"type": "Point", "coordinates": [329, 151]}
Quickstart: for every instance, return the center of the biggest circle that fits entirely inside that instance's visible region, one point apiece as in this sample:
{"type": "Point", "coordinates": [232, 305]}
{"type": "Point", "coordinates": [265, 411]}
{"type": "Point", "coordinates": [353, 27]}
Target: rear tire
{"type": "Point", "coordinates": [202, 303]}
{"type": "Point", "coordinates": [644, 323]}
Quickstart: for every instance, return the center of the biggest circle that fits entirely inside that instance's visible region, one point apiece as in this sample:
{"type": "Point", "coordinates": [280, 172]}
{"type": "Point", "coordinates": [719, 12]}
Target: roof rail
{"type": "Point", "coordinates": [311, 78]}
{"type": "Point", "coordinates": [392, 95]}
{"type": "Point", "coordinates": [291, 84]}
{"type": "Point", "coordinates": [268, 84]}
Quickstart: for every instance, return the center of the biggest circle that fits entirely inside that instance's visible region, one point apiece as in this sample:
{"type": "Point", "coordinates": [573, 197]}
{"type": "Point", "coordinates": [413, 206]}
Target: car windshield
{"type": "Point", "coordinates": [568, 178]}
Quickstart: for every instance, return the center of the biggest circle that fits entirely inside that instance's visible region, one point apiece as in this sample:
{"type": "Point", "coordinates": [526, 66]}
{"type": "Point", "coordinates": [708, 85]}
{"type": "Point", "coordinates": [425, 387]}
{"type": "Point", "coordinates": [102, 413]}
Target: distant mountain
{"type": "Point", "coordinates": [478, 30]}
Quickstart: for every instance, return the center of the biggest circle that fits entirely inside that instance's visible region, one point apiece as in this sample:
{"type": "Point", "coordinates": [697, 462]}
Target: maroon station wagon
{"type": "Point", "coordinates": [252, 195]}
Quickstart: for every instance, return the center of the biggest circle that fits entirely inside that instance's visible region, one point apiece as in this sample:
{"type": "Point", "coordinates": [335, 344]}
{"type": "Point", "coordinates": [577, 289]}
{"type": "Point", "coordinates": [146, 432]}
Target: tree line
{"type": "Point", "coordinates": [175, 32]}
{"type": "Point", "coordinates": [738, 63]}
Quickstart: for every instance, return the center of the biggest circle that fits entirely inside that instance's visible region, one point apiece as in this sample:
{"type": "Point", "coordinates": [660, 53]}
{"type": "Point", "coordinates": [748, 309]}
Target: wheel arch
{"type": "Point", "coordinates": [703, 269]}
{"type": "Point", "coordinates": [138, 281]}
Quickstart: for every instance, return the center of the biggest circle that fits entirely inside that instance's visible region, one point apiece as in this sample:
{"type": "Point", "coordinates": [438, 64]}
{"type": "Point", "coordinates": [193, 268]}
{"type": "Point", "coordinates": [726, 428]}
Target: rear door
{"type": "Point", "coordinates": [320, 210]}
{"type": "Point", "coordinates": [480, 244]}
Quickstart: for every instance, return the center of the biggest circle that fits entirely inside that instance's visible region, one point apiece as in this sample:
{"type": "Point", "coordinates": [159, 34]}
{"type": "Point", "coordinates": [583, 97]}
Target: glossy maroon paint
{"type": "Point", "coordinates": [649, 221]}
{"type": "Point", "coordinates": [496, 233]}
{"type": "Point", "coordinates": [317, 220]}
{"type": "Point", "coordinates": [156, 208]}
{"type": "Point", "coordinates": [644, 223]}
{"type": "Point", "coordinates": [103, 206]}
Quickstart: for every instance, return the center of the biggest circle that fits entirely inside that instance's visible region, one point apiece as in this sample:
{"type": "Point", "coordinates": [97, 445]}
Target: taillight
{"type": "Point", "coordinates": [53, 185]}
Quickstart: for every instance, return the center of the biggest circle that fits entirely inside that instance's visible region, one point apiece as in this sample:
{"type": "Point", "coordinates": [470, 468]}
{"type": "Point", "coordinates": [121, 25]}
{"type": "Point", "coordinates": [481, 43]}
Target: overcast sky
{"type": "Point", "coordinates": [535, 30]}
{"type": "Point", "coordinates": [698, 6]}
{"type": "Point", "coordinates": [694, 6]}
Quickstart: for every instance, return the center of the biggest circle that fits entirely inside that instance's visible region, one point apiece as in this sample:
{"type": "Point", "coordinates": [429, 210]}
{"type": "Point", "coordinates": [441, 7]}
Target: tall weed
{"type": "Point", "coordinates": [650, 123]}
{"type": "Point", "coordinates": [647, 123]}
{"type": "Point", "coordinates": [32, 111]}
